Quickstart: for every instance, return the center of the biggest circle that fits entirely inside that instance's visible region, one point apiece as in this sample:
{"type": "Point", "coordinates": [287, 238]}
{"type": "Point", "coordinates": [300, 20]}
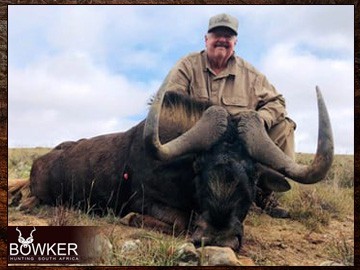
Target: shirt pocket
{"type": "Point", "coordinates": [234, 93]}
{"type": "Point", "coordinates": [234, 105]}
{"type": "Point", "coordinates": [236, 101]}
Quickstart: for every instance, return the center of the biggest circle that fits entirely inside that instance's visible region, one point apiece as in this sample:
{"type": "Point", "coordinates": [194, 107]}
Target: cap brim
{"type": "Point", "coordinates": [223, 26]}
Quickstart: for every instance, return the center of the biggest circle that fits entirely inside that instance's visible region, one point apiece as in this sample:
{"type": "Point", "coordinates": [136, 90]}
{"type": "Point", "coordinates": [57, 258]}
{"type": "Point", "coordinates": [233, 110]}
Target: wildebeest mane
{"type": "Point", "coordinates": [179, 113]}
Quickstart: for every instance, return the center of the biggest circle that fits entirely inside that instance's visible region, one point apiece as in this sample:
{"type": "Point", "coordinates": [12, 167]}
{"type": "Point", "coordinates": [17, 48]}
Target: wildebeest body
{"type": "Point", "coordinates": [88, 172]}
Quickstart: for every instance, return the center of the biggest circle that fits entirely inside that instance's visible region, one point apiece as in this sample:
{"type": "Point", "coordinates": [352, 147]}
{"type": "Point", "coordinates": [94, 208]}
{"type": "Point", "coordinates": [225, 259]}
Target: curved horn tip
{"type": "Point", "coordinates": [318, 91]}
{"type": "Point", "coordinates": [305, 174]}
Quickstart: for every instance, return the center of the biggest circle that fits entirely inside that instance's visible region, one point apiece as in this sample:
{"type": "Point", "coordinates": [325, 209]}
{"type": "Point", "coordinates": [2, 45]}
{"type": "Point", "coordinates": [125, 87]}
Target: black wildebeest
{"type": "Point", "coordinates": [188, 165]}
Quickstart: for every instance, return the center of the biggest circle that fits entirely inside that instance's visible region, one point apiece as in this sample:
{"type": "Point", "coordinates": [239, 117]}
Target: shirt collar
{"type": "Point", "coordinates": [230, 69]}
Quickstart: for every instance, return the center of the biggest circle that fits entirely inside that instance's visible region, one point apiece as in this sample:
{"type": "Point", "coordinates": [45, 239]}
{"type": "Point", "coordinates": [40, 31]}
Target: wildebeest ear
{"type": "Point", "coordinates": [271, 179]}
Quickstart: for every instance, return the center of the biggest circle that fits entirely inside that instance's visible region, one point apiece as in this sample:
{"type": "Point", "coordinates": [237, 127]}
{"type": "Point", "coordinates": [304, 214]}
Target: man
{"type": "Point", "coordinates": [218, 75]}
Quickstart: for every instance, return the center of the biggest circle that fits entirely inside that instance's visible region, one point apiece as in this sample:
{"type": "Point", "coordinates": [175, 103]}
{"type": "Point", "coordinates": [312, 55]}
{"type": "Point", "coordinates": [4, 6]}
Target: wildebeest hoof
{"type": "Point", "coordinates": [127, 220]}
{"type": "Point", "coordinates": [28, 204]}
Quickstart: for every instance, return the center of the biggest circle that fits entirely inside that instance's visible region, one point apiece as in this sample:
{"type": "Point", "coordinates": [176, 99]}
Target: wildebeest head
{"type": "Point", "coordinates": [230, 155]}
{"type": "Point", "coordinates": [225, 183]}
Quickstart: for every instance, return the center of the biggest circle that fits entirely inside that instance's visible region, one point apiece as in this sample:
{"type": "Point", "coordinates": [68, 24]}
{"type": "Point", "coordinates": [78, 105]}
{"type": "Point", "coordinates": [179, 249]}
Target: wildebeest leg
{"type": "Point", "coordinates": [160, 218]}
{"type": "Point", "coordinates": [178, 219]}
{"type": "Point", "coordinates": [18, 189]}
{"type": "Point", "coordinates": [146, 221]}
{"type": "Point", "coordinates": [19, 195]}
{"type": "Point", "coordinates": [28, 204]}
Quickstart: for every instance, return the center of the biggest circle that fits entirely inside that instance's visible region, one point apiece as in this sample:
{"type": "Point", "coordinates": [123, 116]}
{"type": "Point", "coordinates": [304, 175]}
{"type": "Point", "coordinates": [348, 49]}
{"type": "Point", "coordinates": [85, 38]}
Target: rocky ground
{"type": "Point", "coordinates": [267, 241]}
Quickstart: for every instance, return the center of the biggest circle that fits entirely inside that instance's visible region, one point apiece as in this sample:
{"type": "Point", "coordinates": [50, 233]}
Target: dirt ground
{"type": "Point", "coordinates": [268, 241]}
{"type": "Point", "coordinates": [288, 242]}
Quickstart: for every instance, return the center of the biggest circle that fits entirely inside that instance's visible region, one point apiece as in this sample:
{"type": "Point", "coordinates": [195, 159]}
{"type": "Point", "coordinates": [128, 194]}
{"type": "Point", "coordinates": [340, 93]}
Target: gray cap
{"type": "Point", "coordinates": [224, 20]}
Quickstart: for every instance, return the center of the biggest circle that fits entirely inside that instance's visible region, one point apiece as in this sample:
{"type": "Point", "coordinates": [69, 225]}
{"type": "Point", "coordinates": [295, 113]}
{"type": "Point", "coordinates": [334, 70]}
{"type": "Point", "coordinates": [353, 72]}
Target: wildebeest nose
{"type": "Point", "coordinates": [232, 242]}
{"type": "Point", "coordinates": [200, 241]}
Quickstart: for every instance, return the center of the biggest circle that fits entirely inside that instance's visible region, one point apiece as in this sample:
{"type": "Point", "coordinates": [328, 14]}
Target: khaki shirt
{"type": "Point", "coordinates": [239, 87]}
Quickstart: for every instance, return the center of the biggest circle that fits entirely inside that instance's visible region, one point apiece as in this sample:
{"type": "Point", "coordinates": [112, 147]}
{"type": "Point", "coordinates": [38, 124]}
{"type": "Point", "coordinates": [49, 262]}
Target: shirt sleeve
{"type": "Point", "coordinates": [179, 77]}
{"type": "Point", "coordinates": [271, 106]}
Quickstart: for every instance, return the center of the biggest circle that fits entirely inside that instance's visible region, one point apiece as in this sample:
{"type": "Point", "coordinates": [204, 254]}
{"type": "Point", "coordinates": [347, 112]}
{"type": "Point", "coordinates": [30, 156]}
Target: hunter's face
{"type": "Point", "coordinates": [220, 44]}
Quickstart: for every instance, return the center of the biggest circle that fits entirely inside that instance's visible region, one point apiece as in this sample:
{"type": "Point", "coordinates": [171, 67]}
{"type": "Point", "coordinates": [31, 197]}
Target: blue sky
{"type": "Point", "coordinates": [80, 71]}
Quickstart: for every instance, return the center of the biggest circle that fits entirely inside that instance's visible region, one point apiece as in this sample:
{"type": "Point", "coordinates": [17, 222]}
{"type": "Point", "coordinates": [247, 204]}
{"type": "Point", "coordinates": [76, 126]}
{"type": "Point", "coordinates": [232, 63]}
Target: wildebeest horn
{"type": "Point", "coordinates": [265, 151]}
{"type": "Point", "coordinates": [207, 130]}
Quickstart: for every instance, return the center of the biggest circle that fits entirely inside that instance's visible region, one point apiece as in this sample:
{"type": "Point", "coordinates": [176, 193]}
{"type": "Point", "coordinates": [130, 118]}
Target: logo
{"type": "Point", "coordinates": [25, 242]}
{"type": "Point", "coordinates": [35, 246]}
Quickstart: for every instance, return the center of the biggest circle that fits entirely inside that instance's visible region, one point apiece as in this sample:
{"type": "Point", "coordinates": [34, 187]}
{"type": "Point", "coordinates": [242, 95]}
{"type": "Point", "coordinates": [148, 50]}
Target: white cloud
{"type": "Point", "coordinates": [69, 95]}
{"type": "Point", "coordinates": [78, 28]}
{"type": "Point", "coordinates": [328, 26]}
{"type": "Point", "coordinates": [87, 70]}
{"type": "Point", "coordinates": [296, 75]}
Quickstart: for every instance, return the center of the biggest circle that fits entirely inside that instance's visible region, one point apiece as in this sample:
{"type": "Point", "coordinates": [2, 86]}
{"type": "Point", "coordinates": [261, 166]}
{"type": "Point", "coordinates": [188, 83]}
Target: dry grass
{"type": "Point", "coordinates": [341, 251]}
{"type": "Point", "coordinates": [20, 160]}
{"type": "Point", "coordinates": [316, 205]}
{"type": "Point", "coordinates": [155, 250]}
